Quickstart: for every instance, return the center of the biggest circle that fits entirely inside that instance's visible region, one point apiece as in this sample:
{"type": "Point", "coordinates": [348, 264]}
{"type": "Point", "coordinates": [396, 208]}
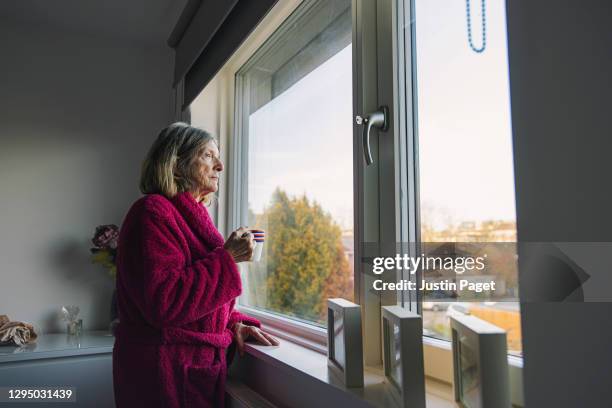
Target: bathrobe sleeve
{"type": "Point", "coordinates": [175, 292]}
{"type": "Point", "coordinates": [236, 317]}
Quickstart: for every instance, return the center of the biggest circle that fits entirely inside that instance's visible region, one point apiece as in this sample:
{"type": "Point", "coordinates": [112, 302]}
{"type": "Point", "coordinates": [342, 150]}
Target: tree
{"type": "Point", "coordinates": [306, 260]}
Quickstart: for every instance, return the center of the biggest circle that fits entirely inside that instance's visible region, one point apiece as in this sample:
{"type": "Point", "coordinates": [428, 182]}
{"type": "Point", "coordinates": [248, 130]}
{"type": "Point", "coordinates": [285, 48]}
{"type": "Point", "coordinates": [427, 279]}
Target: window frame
{"type": "Point", "coordinates": [378, 218]}
{"type": "Point", "coordinates": [378, 55]}
{"type": "Point", "coordinates": [438, 352]}
{"type": "Point", "coordinates": [278, 22]}
{"type": "Point", "coordinates": [364, 12]}
{"type": "Point", "coordinates": [370, 210]}
{"type": "Point", "coordinates": [407, 104]}
{"type": "Point", "coordinates": [305, 334]}
{"type": "Point", "coordinates": [407, 165]}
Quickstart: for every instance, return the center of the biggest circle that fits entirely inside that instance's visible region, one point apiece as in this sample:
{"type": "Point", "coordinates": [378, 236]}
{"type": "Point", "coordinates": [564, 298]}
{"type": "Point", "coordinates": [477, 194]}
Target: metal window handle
{"type": "Point", "coordinates": [379, 119]}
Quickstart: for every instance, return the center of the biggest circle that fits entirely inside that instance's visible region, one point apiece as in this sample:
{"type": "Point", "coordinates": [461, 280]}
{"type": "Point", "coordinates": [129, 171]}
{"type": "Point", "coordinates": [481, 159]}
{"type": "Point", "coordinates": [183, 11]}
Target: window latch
{"type": "Point", "coordinates": [378, 119]}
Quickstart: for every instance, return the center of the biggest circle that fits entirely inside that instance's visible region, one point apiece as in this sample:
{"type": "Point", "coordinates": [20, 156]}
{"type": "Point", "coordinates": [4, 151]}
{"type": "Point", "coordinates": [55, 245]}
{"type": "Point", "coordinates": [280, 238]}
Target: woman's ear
{"type": "Point", "coordinates": [183, 181]}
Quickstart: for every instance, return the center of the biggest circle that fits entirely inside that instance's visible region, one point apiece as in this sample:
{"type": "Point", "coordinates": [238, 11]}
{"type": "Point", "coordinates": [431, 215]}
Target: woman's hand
{"type": "Point", "coordinates": [242, 332]}
{"type": "Point", "coordinates": [240, 245]}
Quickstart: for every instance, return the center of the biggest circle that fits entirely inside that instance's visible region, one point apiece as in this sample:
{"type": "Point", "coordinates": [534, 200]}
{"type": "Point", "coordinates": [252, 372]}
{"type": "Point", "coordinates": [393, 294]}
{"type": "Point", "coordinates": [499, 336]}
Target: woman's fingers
{"type": "Point", "coordinates": [244, 251]}
{"type": "Point", "coordinates": [244, 332]}
{"type": "Point", "coordinates": [271, 339]}
{"type": "Point", "coordinates": [247, 245]}
{"type": "Point", "coordinates": [240, 244]}
{"type": "Point", "coordinates": [249, 240]}
{"type": "Point", "coordinates": [241, 250]}
{"type": "Point", "coordinates": [259, 337]}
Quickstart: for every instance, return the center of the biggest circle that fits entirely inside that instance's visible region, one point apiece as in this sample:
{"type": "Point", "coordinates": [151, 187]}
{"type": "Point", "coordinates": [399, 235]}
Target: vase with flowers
{"type": "Point", "coordinates": [104, 252]}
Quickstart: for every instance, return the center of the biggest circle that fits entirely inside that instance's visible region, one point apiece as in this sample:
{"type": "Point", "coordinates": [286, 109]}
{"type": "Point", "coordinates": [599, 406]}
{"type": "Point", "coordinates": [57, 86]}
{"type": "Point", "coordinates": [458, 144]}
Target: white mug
{"type": "Point", "coordinates": [259, 236]}
{"type": "Point", "coordinates": [257, 251]}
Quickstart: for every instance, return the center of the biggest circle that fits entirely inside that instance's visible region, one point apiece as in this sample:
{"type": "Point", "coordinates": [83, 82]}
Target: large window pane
{"type": "Point", "coordinates": [295, 96]}
{"type": "Point", "coordinates": [466, 181]}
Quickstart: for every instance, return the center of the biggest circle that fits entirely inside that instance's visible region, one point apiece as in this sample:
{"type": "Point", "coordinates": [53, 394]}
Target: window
{"type": "Point", "coordinates": [294, 149]}
{"type": "Point", "coordinates": [465, 171]}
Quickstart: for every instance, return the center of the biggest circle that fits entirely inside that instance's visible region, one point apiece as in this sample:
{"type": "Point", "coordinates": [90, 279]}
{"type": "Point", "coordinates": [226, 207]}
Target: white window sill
{"type": "Point", "coordinates": [304, 334]}
{"type": "Point", "coordinates": [303, 354]}
{"type": "Point", "coordinates": [439, 365]}
{"type": "Point", "coordinates": [513, 361]}
{"type": "Point", "coordinates": [292, 361]}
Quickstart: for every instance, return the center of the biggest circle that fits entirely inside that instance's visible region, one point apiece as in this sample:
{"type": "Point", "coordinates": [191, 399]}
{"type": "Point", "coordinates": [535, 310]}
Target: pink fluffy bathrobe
{"type": "Point", "coordinates": [176, 289]}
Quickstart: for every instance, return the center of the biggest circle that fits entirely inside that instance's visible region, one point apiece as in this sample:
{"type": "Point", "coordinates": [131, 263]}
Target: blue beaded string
{"type": "Point", "coordinates": [469, 27]}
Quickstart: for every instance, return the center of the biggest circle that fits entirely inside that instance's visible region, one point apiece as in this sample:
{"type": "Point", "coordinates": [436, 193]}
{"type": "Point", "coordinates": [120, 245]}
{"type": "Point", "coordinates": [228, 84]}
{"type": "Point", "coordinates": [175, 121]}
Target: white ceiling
{"type": "Point", "coordinates": [141, 21]}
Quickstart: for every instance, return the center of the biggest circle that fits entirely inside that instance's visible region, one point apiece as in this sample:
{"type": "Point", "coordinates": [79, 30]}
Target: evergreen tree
{"type": "Point", "coordinates": [306, 260]}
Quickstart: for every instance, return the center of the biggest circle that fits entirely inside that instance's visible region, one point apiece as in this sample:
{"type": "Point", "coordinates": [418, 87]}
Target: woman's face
{"type": "Point", "coordinates": [208, 166]}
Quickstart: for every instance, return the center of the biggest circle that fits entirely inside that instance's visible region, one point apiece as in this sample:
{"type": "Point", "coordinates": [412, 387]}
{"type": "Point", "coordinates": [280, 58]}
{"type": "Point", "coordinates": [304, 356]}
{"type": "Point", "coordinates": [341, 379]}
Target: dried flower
{"type": "Point", "coordinates": [106, 237]}
{"type": "Point", "coordinates": [106, 258]}
{"type": "Point", "coordinates": [105, 251]}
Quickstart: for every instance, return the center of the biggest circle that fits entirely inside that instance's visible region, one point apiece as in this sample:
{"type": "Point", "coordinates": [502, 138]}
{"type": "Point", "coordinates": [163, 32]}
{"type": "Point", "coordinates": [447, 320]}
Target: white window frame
{"type": "Point", "coordinates": [370, 210]}
{"type": "Point", "coordinates": [305, 334]}
{"type": "Point", "coordinates": [378, 217]}
{"type": "Point", "coordinates": [438, 352]}
{"type": "Point", "coordinates": [309, 335]}
{"type": "Point", "coordinates": [403, 10]}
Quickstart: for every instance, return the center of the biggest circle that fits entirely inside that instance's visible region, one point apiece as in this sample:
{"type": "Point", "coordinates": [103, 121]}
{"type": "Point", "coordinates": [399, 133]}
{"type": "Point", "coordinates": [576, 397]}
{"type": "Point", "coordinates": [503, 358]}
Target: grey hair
{"type": "Point", "coordinates": [168, 167]}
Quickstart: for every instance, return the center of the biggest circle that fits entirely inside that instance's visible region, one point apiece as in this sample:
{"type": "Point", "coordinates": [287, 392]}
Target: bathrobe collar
{"type": "Point", "coordinates": [198, 219]}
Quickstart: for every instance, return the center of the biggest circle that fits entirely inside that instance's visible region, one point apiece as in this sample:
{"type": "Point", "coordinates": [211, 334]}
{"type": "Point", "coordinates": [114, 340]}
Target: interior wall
{"type": "Point", "coordinates": [207, 112]}
{"type": "Point", "coordinates": [77, 115]}
{"type": "Point", "coordinates": [560, 64]}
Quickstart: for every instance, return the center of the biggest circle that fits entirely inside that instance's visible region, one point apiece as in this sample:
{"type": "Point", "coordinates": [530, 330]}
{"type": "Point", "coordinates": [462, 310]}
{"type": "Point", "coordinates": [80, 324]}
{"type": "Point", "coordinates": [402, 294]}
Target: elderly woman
{"type": "Point", "coordinates": [177, 281]}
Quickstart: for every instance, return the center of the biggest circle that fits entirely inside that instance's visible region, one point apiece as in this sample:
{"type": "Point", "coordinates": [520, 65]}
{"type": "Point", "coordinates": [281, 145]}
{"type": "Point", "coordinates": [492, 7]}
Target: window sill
{"type": "Point", "coordinates": [298, 376]}
{"type": "Point", "coordinates": [438, 356]}
{"type": "Point", "coordinates": [513, 360]}
{"type": "Point", "coordinates": [303, 353]}
{"type": "Point", "coordinates": [304, 334]}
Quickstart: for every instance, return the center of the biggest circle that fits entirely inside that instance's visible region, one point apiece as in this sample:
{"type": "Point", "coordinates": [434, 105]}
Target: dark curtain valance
{"type": "Point", "coordinates": [207, 34]}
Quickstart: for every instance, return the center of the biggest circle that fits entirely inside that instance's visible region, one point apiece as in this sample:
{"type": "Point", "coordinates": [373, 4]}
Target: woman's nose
{"type": "Point", "coordinates": [219, 165]}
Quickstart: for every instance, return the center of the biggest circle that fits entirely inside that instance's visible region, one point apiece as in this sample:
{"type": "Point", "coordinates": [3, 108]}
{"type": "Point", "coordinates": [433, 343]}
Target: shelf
{"type": "Point", "coordinates": [59, 345]}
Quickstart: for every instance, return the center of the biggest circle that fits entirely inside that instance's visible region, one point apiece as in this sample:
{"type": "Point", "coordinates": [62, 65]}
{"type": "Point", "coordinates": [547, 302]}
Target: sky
{"type": "Point", "coordinates": [465, 142]}
{"type": "Point", "coordinates": [302, 139]}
